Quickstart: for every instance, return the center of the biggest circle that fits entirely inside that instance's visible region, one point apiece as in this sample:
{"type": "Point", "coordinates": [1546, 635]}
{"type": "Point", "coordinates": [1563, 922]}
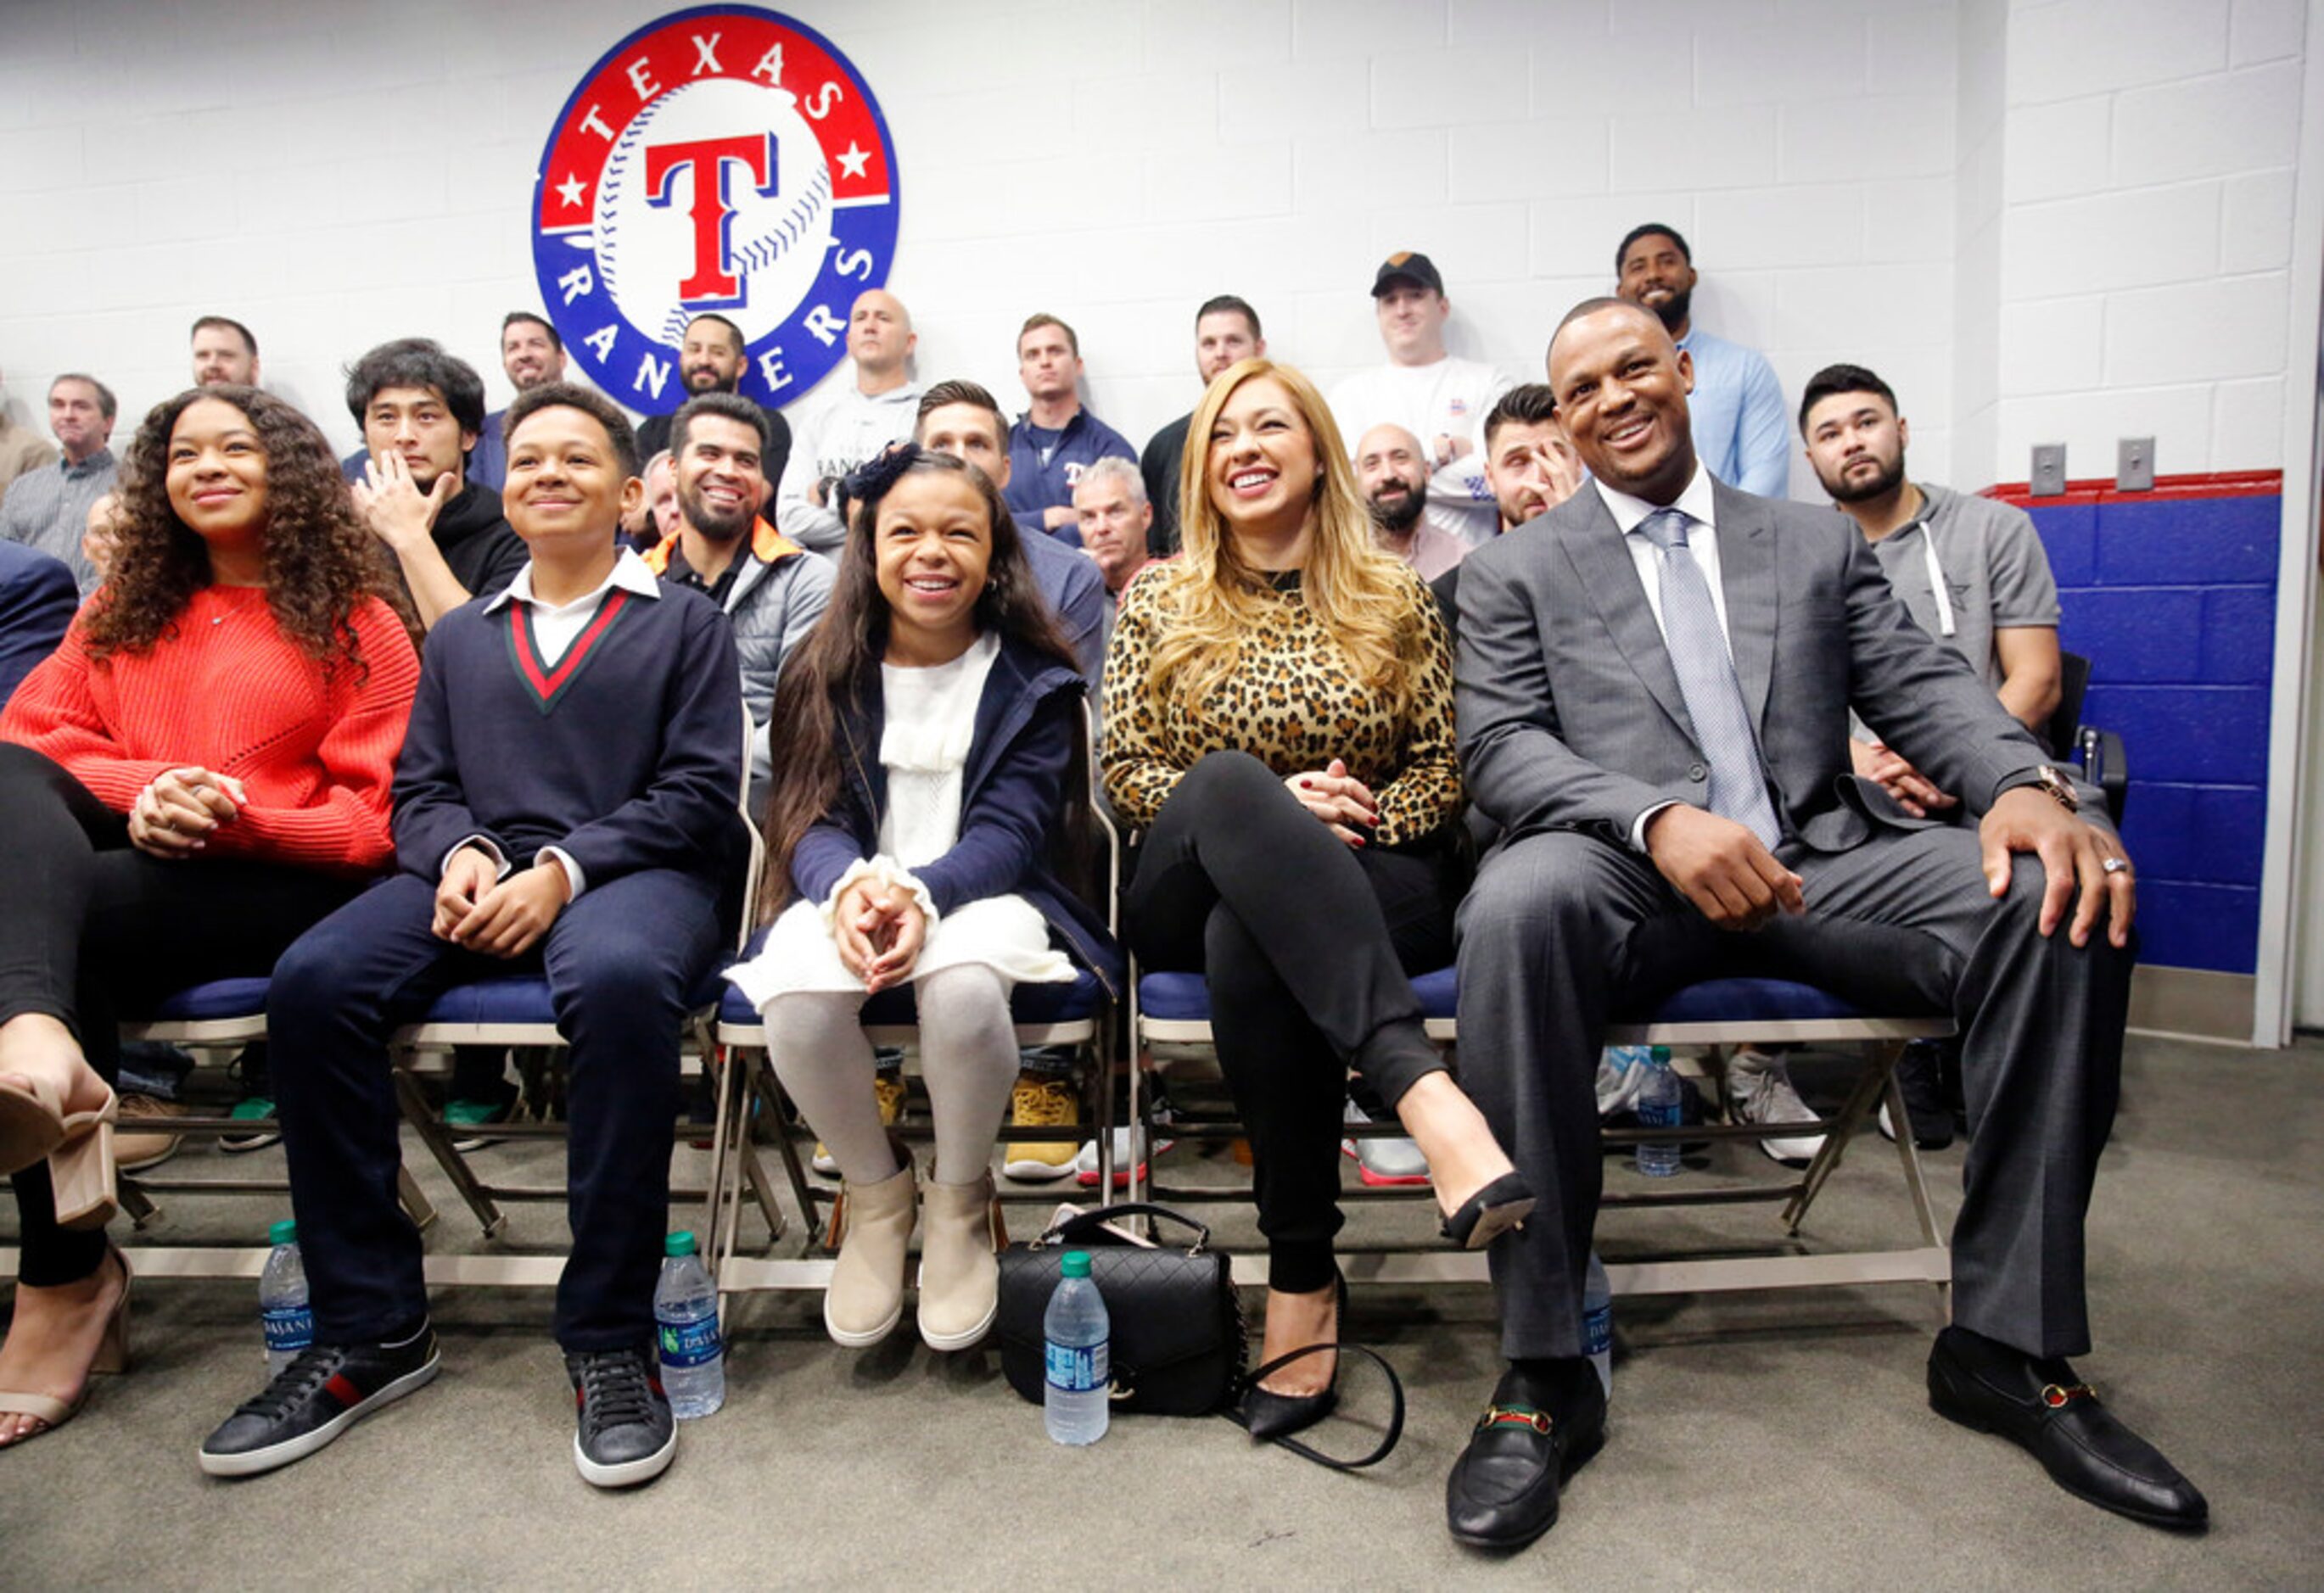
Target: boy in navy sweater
{"type": "Point", "coordinates": [564, 805]}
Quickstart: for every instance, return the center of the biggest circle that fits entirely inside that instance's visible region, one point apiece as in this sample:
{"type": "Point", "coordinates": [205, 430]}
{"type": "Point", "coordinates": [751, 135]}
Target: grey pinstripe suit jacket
{"type": "Point", "coordinates": [1571, 716]}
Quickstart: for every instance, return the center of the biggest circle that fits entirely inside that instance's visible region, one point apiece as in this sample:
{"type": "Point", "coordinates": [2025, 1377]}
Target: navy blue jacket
{"type": "Point", "coordinates": [1011, 794]}
{"type": "Point", "coordinates": [38, 596]}
{"type": "Point", "coordinates": [628, 755]}
{"type": "Point", "coordinates": [1035, 485]}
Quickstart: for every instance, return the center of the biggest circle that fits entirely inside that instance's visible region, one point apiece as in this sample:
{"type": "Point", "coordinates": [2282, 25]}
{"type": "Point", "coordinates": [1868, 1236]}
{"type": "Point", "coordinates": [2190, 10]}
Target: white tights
{"type": "Point", "coordinates": [968, 1057]}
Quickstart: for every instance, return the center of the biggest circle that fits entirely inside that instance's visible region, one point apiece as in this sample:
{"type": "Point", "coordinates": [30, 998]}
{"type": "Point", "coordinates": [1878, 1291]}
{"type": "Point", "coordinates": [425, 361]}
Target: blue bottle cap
{"type": "Point", "coordinates": [1075, 1264]}
{"type": "Point", "coordinates": [680, 1243]}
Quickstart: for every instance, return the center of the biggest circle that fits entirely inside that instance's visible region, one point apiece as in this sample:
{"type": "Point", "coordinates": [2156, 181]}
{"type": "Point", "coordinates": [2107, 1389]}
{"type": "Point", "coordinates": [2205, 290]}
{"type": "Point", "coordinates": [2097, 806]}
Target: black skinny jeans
{"type": "Point", "coordinates": [1307, 945]}
{"type": "Point", "coordinates": [91, 929]}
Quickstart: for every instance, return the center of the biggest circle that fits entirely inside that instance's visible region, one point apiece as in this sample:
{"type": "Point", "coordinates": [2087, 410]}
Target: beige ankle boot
{"type": "Point", "coordinates": [960, 1277]}
{"type": "Point", "coordinates": [872, 1226]}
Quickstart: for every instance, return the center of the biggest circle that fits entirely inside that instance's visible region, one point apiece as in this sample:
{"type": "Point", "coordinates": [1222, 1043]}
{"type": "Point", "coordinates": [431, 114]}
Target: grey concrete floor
{"type": "Point", "coordinates": [1757, 1439]}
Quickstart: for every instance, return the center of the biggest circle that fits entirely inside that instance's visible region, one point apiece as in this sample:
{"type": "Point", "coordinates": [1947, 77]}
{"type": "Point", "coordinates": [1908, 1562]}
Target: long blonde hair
{"type": "Point", "coordinates": [1215, 599]}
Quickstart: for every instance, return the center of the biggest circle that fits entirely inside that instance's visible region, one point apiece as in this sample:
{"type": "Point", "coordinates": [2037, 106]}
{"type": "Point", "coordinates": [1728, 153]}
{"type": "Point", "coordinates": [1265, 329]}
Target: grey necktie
{"type": "Point", "coordinates": [1706, 676]}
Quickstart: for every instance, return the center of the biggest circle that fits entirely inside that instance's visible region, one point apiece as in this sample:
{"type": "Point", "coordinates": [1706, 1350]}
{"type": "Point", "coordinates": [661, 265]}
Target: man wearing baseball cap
{"type": "Point", "coordinates": [1439, 399]}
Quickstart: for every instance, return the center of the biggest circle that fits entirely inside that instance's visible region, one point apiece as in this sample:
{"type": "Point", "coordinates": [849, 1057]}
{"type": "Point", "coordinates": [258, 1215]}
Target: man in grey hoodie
{"type": "Point", "coordinates": [849, 423]}
{"type": "Point", "coordinates": [772, 589]}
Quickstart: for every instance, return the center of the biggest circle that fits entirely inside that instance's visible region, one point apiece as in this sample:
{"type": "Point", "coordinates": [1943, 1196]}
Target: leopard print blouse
{"type": "Point", "coordinates": [1294, 705]}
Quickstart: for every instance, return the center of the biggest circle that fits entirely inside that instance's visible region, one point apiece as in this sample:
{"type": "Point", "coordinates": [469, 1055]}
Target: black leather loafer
{"type": "Point", "coordinates": [2060, 1422]}
{"type": "Point", "coordinates": [1503, 1490]}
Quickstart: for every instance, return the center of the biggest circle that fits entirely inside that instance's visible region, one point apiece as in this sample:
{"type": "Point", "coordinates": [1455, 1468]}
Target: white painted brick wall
{"type": "Point", "coordinates": [2143, 234]}
{"type": "Point", "coordinates": [1981, 200]}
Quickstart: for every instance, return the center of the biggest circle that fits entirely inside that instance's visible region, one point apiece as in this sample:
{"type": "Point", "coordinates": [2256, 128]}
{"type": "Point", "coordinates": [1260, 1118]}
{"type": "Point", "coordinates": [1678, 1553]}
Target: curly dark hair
{"type": "Point", "coordinates": [320, 561]}
{"type": "Point", "coordinates": [825, 684]}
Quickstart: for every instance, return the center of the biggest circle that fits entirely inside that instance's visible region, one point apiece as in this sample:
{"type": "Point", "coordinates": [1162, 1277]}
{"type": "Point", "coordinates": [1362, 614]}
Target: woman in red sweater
{"type": "Point", "coordinates": [199, 773]}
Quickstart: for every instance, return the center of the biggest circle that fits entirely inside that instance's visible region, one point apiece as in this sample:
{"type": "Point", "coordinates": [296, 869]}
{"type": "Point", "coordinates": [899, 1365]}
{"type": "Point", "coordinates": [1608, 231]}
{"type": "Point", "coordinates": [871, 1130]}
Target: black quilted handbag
{"type": "Point", "coordinates": [1177, 1325]}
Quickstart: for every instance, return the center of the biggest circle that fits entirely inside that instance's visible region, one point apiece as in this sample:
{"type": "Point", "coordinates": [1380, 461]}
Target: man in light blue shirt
{"type": "Point", "coordinates": [1741, 428]}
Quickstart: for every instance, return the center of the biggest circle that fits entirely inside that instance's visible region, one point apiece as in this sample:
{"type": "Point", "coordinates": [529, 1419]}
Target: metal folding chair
{"type": "Point", "coordinates": [1173, 1009]}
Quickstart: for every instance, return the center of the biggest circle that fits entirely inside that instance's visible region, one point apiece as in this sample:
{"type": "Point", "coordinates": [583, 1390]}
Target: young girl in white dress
{"type": "Point", "coordinates": [929, 770]}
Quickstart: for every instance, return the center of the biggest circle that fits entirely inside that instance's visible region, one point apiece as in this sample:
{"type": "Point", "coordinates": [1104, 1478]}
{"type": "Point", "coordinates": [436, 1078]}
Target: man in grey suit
{"type": "Point", "coordinates": [1654, 685]}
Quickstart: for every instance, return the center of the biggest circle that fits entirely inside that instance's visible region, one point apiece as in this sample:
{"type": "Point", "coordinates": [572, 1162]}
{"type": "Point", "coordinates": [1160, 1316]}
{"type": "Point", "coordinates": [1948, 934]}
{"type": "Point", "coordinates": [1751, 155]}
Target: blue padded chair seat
{"type": "Point", "coordinates": [1754, 1000]}
{"type": "Point", "coordinates": [522, 998]}
{"type": "Point", "coordinates": [209, 1003]}
{"type": "Point", "coordinates": [1031, 1003]}
{"type": "Point", "coordinates": [1439, 993]}
{"type": "Point", "coordinates": [1183, 998]}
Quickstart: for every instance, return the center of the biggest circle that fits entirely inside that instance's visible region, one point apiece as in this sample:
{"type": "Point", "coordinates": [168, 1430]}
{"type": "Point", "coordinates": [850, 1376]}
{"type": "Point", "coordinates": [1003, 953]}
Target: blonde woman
{"type": "Point", "coordinates": [1278, 712]}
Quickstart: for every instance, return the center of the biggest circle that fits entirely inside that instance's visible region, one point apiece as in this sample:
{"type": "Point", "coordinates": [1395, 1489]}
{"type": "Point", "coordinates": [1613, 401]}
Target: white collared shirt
{"type": "Point", "coordinates": [555, 628]}
{"type": "Point", "coordinates": [555, 625]}
{"type": "Point", "coordinates": [1695, 502]}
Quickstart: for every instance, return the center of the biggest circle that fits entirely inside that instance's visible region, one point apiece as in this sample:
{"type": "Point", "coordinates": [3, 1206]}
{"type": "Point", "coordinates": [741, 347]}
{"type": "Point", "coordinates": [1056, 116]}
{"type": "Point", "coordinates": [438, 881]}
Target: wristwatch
{"type": "Point", "coordinates": [2059, 788]}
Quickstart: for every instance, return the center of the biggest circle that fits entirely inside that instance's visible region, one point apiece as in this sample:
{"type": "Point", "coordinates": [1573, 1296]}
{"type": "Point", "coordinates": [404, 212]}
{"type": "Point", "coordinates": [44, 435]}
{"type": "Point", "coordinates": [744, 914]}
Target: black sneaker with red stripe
{"type": "Point", "coordinates": [314, 1399]}
{"type": "Point", "coordinates": [623, 1432]}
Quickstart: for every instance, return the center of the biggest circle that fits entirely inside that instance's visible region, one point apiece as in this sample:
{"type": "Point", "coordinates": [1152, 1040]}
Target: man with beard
{"type": "Point", "coordinates": [772, 589]}
{"type": "Point", "coordinates": [1973, 573]}
{"type": "Point", "coordinates": [1652, 691]}
{"type": "Point", "coordinates": [1436, 396]}
{"type": "Point", "coordinates": [421, 410]}
{"type": "Point", "coordinates": [712, 356]}
{"type": "Point", "coordinates": [1226, 329]}
{"type": "Point", "coordinates": [1530, 467]}
{"type": "Point", "coordinates": [1392, 471]}
{"type": "Point", "coordinates": [1738, 404]}
{"type": "Point", "coordinates": [531, 355]}
{"type": "Point", "coordinates": [225, 353]}
{"type": "Point", "coordinates": [851, 423]}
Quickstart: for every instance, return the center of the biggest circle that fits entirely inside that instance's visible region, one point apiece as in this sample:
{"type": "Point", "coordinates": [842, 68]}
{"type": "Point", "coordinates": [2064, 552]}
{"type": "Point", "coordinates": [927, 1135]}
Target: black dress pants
{"type": "Point", "coordinates": [93, 930]}
{"type": "Point", "coordinates": [1307, 945]}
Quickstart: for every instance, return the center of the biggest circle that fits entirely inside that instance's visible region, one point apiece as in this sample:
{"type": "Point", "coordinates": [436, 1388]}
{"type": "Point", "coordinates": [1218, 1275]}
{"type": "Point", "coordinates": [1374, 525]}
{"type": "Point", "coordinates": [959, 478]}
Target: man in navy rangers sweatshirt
{"type": "Point", "coordinates": [566, 806]}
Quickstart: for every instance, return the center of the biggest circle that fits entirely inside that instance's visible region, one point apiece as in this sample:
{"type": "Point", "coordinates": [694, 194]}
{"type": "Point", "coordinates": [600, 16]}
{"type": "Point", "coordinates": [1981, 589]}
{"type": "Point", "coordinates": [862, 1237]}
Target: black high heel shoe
{"type": "Point", "coordinates": [1268, 1414]}
{"type": "Point", "coordinates": [1501, 1205]}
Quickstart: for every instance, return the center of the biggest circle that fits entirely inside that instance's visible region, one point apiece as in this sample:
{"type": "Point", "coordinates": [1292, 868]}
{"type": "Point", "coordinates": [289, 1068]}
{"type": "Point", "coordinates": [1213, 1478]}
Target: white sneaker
{"type": "Point", "coordinates": [1380, 1162]}
{"type": "Point", "coordinates": [1086, 1164]}
{"type": "Point", "coordinates": [1759, 1090]}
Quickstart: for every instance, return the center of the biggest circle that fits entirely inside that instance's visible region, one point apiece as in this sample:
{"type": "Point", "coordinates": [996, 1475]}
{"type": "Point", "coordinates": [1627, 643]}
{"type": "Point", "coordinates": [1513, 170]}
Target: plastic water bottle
{"type": "Point", "coordinates": [282, 1309]}
{"type": "Point", "coordinates": [685, 1324]}
{"type": "Point", "coordinates": [1080, 1381]}
{"type": "Point", "coordinates": [1598, 1323]}
{"type": "Point", "coordinates": [1659, 1095]}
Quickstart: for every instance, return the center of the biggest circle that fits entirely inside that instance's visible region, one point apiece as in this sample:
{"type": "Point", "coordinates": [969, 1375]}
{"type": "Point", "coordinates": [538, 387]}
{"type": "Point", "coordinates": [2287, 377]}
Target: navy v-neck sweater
{"type": "Point", "coordinates": [627, 754]}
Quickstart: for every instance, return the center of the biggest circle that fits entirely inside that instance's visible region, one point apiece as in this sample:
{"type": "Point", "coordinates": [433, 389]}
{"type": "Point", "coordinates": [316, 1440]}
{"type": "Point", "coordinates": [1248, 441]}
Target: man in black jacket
{"type": "Point", "coordinates": [711, 358]}
{"type": "Point", "coordinates": [1226, 329]}
{"type": "Point", "coordinates": [421, 410]}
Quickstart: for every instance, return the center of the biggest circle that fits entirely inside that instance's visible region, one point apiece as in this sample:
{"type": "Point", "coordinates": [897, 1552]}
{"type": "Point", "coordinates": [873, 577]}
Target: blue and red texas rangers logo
{"type": "Point", "coordinates": [723, 159]}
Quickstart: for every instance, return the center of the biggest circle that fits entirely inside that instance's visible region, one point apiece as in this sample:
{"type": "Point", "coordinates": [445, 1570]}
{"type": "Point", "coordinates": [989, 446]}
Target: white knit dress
{"type": "Point", "coordinates": [931, 718]}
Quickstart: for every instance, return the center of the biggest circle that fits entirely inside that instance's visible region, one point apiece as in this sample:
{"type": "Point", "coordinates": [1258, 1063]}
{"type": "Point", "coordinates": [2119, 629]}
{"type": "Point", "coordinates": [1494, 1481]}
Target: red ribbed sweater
{"type": "Point", "coordinates": [314, 747]}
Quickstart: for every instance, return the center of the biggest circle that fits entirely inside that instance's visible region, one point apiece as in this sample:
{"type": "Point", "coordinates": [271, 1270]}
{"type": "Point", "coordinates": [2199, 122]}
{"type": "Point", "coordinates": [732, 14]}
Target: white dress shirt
{"type": "Point", "coordinates": [1629, 514]}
